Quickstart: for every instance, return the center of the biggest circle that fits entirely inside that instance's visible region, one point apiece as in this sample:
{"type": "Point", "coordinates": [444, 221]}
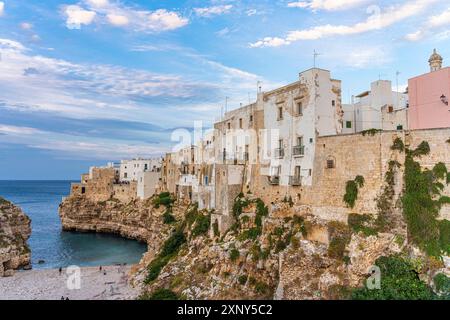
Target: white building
{"type": "Point", "coordinates": [380, 108]}
{"type": "Point", "coordinates": [294, 116]}
{"type": "Point", "coordinates": [131, 169]}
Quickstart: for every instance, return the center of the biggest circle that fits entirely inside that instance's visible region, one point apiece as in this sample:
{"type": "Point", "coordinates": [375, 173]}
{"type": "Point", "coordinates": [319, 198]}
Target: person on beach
{"type": "Point", "coordinates": [100, 268]}
{"type": "Point", "coordinates": [62, 298]}
{"type": "Point", "coordinates": [60, 270]}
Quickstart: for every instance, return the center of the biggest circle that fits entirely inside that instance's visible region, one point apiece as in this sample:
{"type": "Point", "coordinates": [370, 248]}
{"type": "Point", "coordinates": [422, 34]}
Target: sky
{"type": "Point", "coordinates": [85, 82]}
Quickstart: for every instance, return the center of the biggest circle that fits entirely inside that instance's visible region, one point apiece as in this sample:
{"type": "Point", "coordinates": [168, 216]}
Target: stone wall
{"type": "Point", "coordinates": [354, 155]}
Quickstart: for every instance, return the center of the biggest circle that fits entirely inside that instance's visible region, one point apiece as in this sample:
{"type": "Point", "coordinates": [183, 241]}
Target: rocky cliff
{"type": "Point", "coordinates": [15, 229]}
{"type": "Point", "coordinates": [276, 251]}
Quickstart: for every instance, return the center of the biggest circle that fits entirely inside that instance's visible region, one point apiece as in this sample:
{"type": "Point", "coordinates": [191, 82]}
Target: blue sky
{"type": "Point", "coordinates": [83, 82]}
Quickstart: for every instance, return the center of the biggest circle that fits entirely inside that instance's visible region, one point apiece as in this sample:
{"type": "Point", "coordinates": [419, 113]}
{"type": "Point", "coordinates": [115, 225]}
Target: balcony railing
{"type": "Point", "coordinates": [298, 151]}
{"type": "Point", "coordinates": [274, 180]}
{"type": "Point", "coordinates": [295, 181]}
{"type": "Point", "coordinates": [279, 153]}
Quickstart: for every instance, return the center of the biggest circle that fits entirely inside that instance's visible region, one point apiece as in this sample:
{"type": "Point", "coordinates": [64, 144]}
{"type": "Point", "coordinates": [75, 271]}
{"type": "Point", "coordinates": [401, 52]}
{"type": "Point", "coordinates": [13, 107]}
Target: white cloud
{"type": "Point", "coordinates": [366, 57]}
{"type": "Point", "coordinates": [119, 15]}
{"type": "Point", "coordinates": [329, 5]}
{"type": "Point", "coordinates": [440, 19]}
{"type": "Point", "coordinates": [377, 21]}
{"type": "Point", "coordinates": [77, 16]}
{"type": "Point", "coordinates": [98, 3]}
{"type": "Point", "coordinates": [2, 8]}
{"type": "Point", "coordinates": [433, 22]}
{"type": "Point", "coordinates": [162, 20]}
{"type": "Point", "coordinates": [213, 11]}
{"type": "Point", "coordinates": [26, 26]}
{"type": "Point", "coordinates": [117, 20]}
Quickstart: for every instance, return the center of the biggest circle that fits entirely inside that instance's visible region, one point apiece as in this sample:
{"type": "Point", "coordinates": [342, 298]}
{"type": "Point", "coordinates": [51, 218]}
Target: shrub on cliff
{"type": "Point", "coordinates": [163, 199]}
{"type": "Point", "coordinates": [340, 236]}
{"type": "Point", "coordinates": [201, 226]}
{"type": "Point", "coordinates": [234, 254]}
{"type": "Point", "coordinates": [399, 281]}
{"type": "Point", "coordinates": [160, 294]}
{"type": "Point", "coordinates": [168, 218]}
{"type": "Point", "coordinates": [351, 190]}
{"type": "Point", "coordinates": [169, 250]}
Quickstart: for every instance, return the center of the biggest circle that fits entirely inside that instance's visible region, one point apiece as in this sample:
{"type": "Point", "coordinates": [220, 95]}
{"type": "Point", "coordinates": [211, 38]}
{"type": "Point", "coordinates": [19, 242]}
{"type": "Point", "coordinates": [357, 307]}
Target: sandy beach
{"type": "Point", "coordinates": [93, 284]}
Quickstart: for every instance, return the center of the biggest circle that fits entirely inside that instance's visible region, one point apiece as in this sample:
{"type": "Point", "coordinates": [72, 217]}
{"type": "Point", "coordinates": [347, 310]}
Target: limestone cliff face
{"type": "Point", "coordinates": [136, 220]}
{"type": "Point", "coordinates": [15, 229]}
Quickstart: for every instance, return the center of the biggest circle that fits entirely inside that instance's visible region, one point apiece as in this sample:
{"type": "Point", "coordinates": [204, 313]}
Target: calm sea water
{"type": "Point", "coordinates": [40, 201]}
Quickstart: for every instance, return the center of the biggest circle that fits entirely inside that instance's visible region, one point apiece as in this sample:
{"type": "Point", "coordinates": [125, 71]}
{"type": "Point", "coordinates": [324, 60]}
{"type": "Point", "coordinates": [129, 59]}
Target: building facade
{"type": "Point", "coordinates": [429, 96]}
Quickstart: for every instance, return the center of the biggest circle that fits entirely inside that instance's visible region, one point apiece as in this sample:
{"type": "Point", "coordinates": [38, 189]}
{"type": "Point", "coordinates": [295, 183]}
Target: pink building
{"type": "Point", "coordinates": [429, 96]}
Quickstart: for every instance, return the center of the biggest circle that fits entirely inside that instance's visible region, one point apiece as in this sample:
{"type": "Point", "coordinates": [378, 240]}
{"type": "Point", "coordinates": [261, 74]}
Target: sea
{"type": "Point", "coordinates": [53, 248]}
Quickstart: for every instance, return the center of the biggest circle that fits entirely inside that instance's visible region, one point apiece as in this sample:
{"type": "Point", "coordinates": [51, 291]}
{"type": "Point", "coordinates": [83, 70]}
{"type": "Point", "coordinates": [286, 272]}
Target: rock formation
{"type": "Point", "coordinates": [15, 229]}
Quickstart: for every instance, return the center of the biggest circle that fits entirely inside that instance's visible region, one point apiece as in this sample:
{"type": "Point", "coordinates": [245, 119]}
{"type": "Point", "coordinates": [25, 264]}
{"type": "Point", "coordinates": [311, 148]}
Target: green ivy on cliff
{"type": "Point", "coordinates": [422, 201]}
{"type": "Point", "coordinates": [351, 190]}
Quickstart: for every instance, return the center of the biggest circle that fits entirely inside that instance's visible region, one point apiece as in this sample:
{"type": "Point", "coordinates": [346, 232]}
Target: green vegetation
{"type": "Point", "coordinates": [385, 202]}
{"type": "Point", "coordinates": [201, 226]}
{"type": "Point", "coordinates": [442, 284]}
{"type": "Point", "coordinates": [262, 287]}
{"type": "Point", "coordinates": [398, 145]}
{"type": "Point", "coordinates": [3, 201]}
{"type": "Point", "coordinates": [169, 250]}
{"type": "Point", "coordinates": [216, 228]}
{"type": "Point", "coordinates": [371, 132]}
{"type": "Point", "coordinates": [362, 223]}
{"type": "Point", "coordinates": [421, 204]}
{"type": "Point", "coordinates": [340, 236]}
{"type": "Point", "coordinates": [168, 218]}
{"type": "Point", "coordinates": [163, 199]}
{"type": "Point", "coordinates": [351, 191]}
{"type": "Point", "coordinates": [160, 294]}
{"type": "Point", "coordinates": [242, 279]}
{"type": "Point", "coordinates": [399, 281]}
{"type": "Point", "coordinates": [234, 254]}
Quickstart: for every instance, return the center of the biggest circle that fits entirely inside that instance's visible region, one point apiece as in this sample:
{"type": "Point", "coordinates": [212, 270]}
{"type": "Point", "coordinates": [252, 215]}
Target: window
{"type": "Point", "coordinates": [399, 127]}
{"type": "Point", "coordinates": [240, 123]}
{"type": "Point", "coordinates": [299, 141]}
{"type": "Point", "coordinates": [330, 164]}
{"type": "Point", "coordinates": [280, 113]}
{"type": "Point", "coordinates": [348, 124]}
{"type": "Point", "coordinates": [83, 190]}
{"type": "Point", "coordinates": [299, 108]}
{"type": "Point", "coordinates": [310, 172]}
{"type": "Point", "coordinates": [251, 118]}
{"type": "Point", "coordinates": [229, 126]}
{"type": "Point", "coordinates": [146, 167]}
{"type": "Point", "coordinates": [333, 103]}
{"type": "Point", "coordinates": [311, 140]}
{"type": "Point", "coordinates": [390, 109]}
{"type": "Point", "coordinates": [280, 144]}
{"type": "Point", "coordinates": [125, 175]}
{"type": "Point", "coordinates": [206, 180]}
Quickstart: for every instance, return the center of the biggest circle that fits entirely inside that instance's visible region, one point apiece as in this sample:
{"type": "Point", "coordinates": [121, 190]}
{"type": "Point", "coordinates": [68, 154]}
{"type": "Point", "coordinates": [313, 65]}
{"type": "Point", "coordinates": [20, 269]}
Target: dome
{"type": "Point", "coordinates": [435, 61]}
{"type": "Point", "coordinates": [435, 57]}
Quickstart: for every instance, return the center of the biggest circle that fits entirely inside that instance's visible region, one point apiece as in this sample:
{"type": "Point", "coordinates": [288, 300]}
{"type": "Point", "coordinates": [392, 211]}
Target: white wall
{"type": "Point", "coordinates": [130, 169]}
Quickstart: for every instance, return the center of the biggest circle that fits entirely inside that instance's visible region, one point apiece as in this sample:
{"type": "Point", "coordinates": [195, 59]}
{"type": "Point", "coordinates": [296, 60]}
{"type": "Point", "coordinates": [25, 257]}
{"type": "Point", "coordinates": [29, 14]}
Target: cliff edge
{"type": "Point", "coordinates": [15, 229]}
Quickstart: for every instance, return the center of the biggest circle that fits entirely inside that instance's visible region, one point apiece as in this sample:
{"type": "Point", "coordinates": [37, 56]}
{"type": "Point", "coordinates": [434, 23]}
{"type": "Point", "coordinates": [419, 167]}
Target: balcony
{"type": "Point", "coordinates": [279, 153]}
{"type": "Point", "coordinates": [298, 151]}
{"type": "Point", "coordinates": [246, 156]}
{"type": "Point", "coordinates": [274, 180]}
{"type": "Point", "coordinates": [295, 181]}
